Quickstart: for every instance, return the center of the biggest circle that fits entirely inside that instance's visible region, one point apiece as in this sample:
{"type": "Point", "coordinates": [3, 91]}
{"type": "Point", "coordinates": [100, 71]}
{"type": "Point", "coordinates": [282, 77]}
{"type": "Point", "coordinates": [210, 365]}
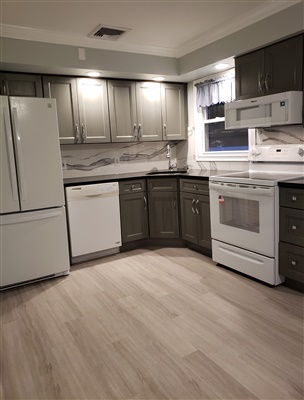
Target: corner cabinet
{"type": "Point", "coordinates": [174, 111]}
{"type": "Point", "coordinates": [291, 258]}
{"type": "Point", "coordinates": [163, 208]}
{"type": "Point", "coordinates": [195, 212]}
{"type": "Point", "coordinates": [82, 108]}
{"type": "Point", "coordinates": [24, 85]}
{"type": "Point", "coordinates": [274, 69]}
{"type": "Point", "coordinates": [133, 210]}
{"type": "Point", "coordinates": [147, 111]}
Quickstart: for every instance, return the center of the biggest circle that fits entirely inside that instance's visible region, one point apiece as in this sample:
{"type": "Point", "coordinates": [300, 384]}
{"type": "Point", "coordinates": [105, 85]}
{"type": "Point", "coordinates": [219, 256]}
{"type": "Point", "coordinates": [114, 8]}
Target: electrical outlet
{"type": "Point", "coordinates": [64, 165]}
{"type": "Point", "coordinates": [116, 161]}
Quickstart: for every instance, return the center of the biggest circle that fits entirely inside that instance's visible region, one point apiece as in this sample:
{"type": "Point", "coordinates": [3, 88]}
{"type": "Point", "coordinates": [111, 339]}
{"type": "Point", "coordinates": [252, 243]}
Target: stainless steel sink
{"type": "Point", "coordinates": [167, 172]}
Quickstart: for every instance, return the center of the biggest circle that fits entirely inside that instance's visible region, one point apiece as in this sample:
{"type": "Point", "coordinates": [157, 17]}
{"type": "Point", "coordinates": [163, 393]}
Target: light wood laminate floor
{"type": "Point", "coordinates": [151, 324]}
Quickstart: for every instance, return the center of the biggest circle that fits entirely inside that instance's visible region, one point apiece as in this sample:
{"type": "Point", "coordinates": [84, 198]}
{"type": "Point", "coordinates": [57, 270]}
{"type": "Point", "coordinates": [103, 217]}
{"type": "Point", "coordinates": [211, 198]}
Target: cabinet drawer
{"type": "Point", "coordinates": [292, 226]}
{"type": "Point", "coordinates": [138, 185]}
{"type": "Point", "coordinates": [194, 186]}
{"type": "Point", "coordinates": [291, 261]}
{"type": "Point", "coordinates": [162, 185]}
{"type": "Point", "coordinates": [293, 198]}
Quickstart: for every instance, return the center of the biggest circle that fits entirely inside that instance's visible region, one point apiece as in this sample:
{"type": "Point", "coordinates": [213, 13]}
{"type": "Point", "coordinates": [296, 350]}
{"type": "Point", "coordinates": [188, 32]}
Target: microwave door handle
{"type": "Point", "coordinates": [243, 190]}
{"type": "Point", "coordinates": [10, 146]}
{"type": "Point", "coordinates": [20, 164]}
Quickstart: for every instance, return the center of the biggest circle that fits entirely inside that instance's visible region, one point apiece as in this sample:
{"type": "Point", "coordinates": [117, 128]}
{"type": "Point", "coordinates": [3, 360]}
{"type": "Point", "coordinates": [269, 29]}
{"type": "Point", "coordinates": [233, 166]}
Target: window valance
{"type": "Point", "coordinates": [214, 91]}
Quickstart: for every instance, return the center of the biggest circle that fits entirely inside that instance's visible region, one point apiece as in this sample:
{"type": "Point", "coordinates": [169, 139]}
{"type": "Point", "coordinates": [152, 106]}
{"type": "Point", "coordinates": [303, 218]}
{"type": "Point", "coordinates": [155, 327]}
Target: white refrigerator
{"type": "Point", "coordinates": [33, 231]}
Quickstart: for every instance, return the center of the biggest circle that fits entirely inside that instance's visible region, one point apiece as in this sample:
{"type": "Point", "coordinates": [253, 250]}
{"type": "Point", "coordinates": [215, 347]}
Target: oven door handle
{"type": "Point", "coordinates": [259, 190]}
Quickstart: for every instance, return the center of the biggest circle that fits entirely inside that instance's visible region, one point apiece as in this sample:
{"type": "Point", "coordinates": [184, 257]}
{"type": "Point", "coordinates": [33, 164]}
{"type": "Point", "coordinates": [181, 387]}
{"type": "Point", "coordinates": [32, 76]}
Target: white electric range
{"type": "Point", "coordinates": [245, 211]}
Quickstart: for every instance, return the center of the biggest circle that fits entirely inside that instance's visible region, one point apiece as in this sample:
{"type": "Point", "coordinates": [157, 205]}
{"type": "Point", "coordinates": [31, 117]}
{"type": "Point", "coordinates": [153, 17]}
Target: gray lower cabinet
{"type": "Point", "coordinates": [23, 85]}
{"type": "Point", "coordinates": [133, 210]}
{"type": "Point", "coordinates": [163, 208]}
{"type": "Point", "coordinates": [82, 108]}
{"type": "Point", "coordinates": [195, 212]}
{"type": "Point", "coordinates": [291, 257]}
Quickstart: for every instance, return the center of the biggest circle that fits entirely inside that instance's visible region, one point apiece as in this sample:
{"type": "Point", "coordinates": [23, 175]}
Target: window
{"type": "Point", "coordinates": [213, 141]}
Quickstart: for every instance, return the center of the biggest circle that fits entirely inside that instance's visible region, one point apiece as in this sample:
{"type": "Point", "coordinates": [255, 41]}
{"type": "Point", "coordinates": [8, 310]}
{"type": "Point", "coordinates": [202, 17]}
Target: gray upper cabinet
{"type": "Point", "coordinates": [273, 69]}
{"type": "Point", "coordinates": [93, 110]}
{"type": "Point", "coordinates": [24, 85]}
{"type": "Point", "coordinates": [135, 111]}
{"type": "Point", "coordinates": [173, 102]}
{"type": "Point", "coordinates": [82, 108]}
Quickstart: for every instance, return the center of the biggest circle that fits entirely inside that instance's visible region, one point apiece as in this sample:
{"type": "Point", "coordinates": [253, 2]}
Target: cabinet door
{"type": "Point", "coordinates": [93, 110]}
{"type": "Point", "coordinates": [148, 111]}
{"type": "Point", "coordinates": [188, 217]}
{"type": "Point", "coordinates": [163, 215]}
{"type": "Point", "coordinates": [134, 216]}
{"type": "Point", "coordinates": [64, 90]}
{"type": "Point", "coordinates": [203, 221]}
{"type": "Point", "coordinates": [122, 104]}
{"type": "Point", "coordinates": [173, 99]}
{"type": "Point", "coordinates": [284, 66]}
{"type": "Point", "coordinates": [21, 85]}
{"type": "Point", "coordinates": [249, 75]}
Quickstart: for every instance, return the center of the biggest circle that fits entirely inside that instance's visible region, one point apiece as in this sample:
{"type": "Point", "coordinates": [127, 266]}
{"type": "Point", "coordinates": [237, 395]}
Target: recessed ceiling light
{"type": "Point", "coordinates": [159, 78]}
{"type": "Point", "coordinates": [221, 66]}
{"type": "Point", "coordinates": [94, 74]}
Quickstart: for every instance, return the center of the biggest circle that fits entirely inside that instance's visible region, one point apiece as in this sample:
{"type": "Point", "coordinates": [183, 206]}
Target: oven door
{"type": "Point", "coordinates": [244, 216]}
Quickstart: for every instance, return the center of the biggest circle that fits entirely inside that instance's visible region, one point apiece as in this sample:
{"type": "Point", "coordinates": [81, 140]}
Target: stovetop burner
{"type": "Point", "coordinates": [263, 178]}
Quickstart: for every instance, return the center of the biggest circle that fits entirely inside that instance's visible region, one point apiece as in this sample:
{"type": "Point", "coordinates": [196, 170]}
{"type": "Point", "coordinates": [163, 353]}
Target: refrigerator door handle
{"type": "Point", "coordinates": [10, 151]}
{"type": "Point", "coordinates": [20, 164]}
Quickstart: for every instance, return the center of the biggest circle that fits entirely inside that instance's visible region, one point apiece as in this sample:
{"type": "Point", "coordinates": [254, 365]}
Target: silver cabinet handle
{"type": "Point", "coordinates": [294, 263]}
{"type": "Point", "coordinates": [4, 91]}
{"type": "Point", "coordinates": [139, 131]}
{"type": "Point", "coordinates": [145, 201]}
{"type": "Point", "coordinates": [192, 206]}
{"type": "Point", "coordinates": [165, 130]}
{"type": "Point", "coordinates": [294, 198]}
{"type": "Point", "coordinates": [266, 81]}
{"type": "Point", "coordinates": [294, 227]}
{"type": "Point", "coordinates": [135, 131]}
{"type": "Point", "coordinates": [195, 187]}
{"type": "Point", "coordinates": [196, 207]}
{"type": "Point", "coordinates": [83, 133]}
{"type": "Point", "coordinates": [260, 79]}
{"type": "Point", "coordinates": [77, 133]}
{"type": "Point", "coordinates": [174, 203]}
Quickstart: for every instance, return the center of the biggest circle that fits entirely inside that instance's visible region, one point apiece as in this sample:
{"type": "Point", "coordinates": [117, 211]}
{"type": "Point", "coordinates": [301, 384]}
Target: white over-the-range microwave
{"type": "Point", "coordinates": [276, 109]}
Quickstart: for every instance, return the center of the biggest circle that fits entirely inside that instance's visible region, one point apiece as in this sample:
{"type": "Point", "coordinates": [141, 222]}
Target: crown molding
{"type": "Point", "coordinates": [40, 35]}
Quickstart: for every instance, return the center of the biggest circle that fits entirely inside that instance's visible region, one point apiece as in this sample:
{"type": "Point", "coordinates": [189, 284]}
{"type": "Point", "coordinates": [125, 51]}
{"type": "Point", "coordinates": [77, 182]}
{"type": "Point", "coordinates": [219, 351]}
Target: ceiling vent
{"type": "Point", "coordinates": [107, 32]}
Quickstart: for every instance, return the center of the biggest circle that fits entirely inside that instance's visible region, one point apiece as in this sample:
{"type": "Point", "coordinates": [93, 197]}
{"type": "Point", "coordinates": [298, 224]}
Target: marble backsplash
{"type": "Point", "coordinates": [116, 158]}
{"type": "Point", "coordinates": [280, 135]}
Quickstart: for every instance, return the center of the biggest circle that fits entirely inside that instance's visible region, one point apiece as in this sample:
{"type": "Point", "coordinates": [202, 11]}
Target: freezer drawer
{"type": "Point", "coordinates": [33, 245]}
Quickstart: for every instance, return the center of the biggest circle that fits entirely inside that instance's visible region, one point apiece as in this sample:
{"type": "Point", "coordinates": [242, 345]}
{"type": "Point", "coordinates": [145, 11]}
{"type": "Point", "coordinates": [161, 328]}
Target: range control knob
{"type": "Point", "coordinates": [301, 151]}
{"type": "Point", "coordinates": [255, 152]}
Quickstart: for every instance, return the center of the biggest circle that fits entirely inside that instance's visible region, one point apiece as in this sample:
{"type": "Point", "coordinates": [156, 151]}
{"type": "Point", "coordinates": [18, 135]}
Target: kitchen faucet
{"type": "Point", "coordinates": [168, 155]}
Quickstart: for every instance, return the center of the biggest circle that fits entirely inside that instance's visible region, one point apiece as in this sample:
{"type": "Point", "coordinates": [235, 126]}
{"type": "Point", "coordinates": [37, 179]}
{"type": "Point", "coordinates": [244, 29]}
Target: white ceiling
{"type": "Point", "coordinates": [169, 28]}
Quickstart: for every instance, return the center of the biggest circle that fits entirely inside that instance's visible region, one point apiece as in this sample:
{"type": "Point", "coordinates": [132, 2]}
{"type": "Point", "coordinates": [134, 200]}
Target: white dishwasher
{"type": "Point", "coordinates": [93, 220]}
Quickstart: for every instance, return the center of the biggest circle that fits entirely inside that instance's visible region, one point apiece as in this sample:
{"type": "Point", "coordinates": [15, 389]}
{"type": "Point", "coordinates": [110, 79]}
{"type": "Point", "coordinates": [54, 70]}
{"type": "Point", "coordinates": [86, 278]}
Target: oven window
{"type": "Point", "coordinates": [240, 213]}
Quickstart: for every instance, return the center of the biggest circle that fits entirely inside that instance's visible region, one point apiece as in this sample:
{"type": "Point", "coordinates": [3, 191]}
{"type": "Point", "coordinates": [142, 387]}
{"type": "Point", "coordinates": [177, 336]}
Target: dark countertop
{"type": "Point", "coordinates": [295, 183]}
{"type": "Point", "coordinates": [194, 173]}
